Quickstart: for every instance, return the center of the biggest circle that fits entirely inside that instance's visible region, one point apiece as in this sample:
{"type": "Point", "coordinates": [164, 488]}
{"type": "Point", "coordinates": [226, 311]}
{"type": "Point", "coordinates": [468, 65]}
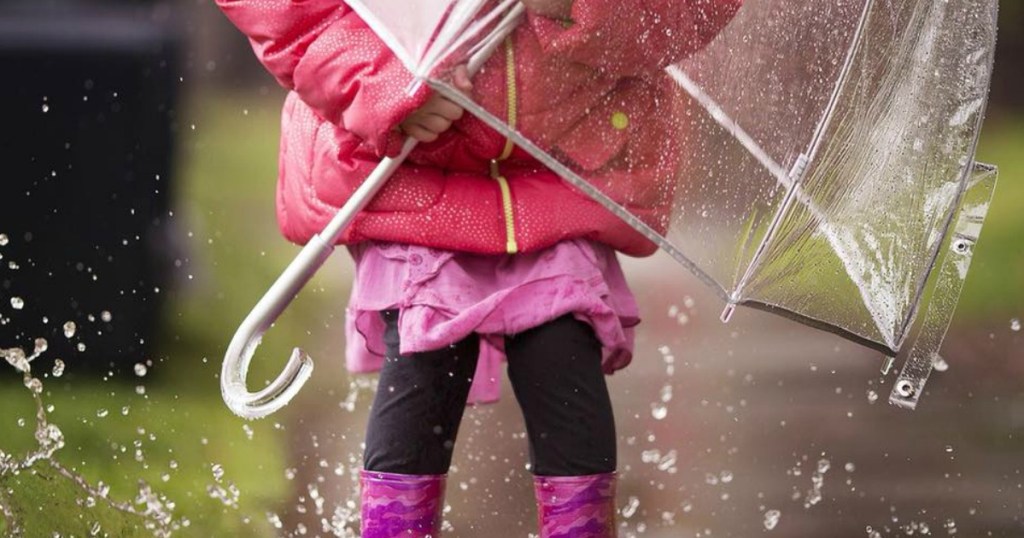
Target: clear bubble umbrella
{"type": "Point", "coordinates": [811, 159]}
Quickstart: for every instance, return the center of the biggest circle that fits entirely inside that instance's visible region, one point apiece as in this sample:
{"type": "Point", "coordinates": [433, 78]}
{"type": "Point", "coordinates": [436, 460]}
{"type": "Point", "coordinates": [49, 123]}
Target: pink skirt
{"type": "Point", "coordinates": [443, 297]}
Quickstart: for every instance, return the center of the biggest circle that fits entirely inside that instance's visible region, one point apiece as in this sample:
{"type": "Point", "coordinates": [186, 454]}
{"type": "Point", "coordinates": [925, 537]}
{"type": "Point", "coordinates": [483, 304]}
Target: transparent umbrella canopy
{"type": "Point", "coordinates": [812, 159]}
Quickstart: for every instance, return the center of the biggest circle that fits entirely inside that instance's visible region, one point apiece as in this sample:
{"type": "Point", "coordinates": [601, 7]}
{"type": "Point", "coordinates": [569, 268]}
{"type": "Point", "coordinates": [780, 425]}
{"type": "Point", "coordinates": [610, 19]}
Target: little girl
{"type": "Point", "coordinates": [474, 253]}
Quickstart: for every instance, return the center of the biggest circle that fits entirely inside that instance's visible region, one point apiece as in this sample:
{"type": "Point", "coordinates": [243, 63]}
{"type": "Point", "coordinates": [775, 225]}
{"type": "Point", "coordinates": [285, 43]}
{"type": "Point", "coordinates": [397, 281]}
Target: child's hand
{"type": "Point", "coordinates": [436, 116]}
{"type": "Point", "coordinates": [554, 9]}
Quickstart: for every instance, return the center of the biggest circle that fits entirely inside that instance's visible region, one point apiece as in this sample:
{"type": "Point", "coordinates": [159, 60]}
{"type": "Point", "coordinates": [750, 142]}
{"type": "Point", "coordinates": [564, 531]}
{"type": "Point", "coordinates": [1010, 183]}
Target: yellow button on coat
{"type": "Point", "coordinates": [620, 120]}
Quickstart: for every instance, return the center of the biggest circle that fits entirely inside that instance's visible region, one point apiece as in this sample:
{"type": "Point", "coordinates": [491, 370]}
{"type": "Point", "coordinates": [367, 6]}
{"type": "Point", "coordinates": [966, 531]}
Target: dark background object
{"type": "Point", "coordinates": [87, 138]}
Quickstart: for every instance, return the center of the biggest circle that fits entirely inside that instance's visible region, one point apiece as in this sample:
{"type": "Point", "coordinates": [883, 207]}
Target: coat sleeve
{"type": "Point", "coordinates": [336, 64]}
{"type": "Point", "coordinates": [633, 37]}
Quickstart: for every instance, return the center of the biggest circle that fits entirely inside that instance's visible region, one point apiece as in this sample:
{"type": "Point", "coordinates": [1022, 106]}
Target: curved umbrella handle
{"type": "Point", "coordinates": [280, 391]}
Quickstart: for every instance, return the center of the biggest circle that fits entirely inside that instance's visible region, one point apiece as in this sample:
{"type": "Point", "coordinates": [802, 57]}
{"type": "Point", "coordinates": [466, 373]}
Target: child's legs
{"type": "Point", "coordinates": [556, 374]}
{"type": "Point", "coordinates": [419, 404]}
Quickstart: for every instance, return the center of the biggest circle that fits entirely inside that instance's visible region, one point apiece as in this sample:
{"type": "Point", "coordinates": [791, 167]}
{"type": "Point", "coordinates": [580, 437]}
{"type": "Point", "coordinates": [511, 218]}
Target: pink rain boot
{"type": "Point", "coordinates": [401, 505]}
{"type": "Point", "coordinates": [575, 506]}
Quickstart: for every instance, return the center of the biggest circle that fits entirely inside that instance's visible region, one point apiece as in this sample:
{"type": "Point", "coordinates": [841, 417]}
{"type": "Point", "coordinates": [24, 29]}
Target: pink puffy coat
{"type": "Point", "coordinates": [348, 95]}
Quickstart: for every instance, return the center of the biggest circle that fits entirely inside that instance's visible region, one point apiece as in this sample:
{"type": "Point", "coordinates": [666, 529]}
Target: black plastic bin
{"type": "Point", "coordinates": [87, 102]}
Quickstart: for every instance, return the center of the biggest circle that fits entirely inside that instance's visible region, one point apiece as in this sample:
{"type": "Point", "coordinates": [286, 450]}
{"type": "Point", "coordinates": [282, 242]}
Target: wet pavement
{"type": "Point", "coordinates": [727, 429]}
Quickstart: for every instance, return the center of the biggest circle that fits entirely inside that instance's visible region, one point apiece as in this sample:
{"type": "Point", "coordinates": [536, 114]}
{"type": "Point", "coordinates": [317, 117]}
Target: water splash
{"type": "Point", "coordinates": [631, 506]}
{"type": "Point", "coordinates": [358, 385]}
{"type": "Point", "coordinates": [814, 495]}
{"type": "Point", "coordinates": [154, 509]}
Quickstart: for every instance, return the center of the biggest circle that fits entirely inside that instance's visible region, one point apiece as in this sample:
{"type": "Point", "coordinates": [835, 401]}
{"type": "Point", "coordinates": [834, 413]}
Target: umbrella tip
{"type": "Point", "coordinates": [730, 309]}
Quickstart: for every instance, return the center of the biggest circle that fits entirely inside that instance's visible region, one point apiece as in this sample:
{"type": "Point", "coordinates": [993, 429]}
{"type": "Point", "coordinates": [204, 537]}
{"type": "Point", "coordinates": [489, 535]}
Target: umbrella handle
{"type": "Point", "coordinates": [252, 405]}
{"type": "Point", "coordinates": [277, 394]}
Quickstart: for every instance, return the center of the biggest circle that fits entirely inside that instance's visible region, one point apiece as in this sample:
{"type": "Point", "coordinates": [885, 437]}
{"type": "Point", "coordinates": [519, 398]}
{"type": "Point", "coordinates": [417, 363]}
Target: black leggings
{"type": "Point", "coordinates": [556, 375]}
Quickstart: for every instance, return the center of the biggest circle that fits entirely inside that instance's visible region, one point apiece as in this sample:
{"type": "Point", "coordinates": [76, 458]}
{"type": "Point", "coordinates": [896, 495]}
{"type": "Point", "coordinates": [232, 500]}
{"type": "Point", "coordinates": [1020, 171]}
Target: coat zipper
{"type": "Point", "coordinates": [506, 193]}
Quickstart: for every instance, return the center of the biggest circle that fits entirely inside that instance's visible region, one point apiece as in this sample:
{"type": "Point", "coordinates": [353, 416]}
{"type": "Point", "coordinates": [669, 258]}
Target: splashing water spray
{"type": "Point", "coordinates": [154, 509]}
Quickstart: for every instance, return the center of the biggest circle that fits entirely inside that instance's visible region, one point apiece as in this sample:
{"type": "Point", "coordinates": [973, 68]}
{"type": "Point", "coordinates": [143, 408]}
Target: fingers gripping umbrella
{"type": "Point", "coordinates": [417, 45]}
{"type": "Point", "coordinates": [811, 159]}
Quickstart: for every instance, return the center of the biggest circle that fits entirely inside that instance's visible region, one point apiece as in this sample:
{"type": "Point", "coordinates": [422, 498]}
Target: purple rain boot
{"type": "Point", "coordinates": [401, 505]}
{"type": "Point", "coordinates": [575, 506]}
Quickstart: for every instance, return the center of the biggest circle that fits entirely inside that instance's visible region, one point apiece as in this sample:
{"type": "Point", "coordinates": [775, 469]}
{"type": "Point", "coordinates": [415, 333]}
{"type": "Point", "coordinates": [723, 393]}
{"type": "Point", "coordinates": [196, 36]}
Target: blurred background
{"type": "Point", "coordinates": [140, 143]}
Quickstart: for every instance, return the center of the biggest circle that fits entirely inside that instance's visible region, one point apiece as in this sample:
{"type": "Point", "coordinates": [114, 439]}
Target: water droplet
{"type": "Point", "coordinates": [949, 449]}
{"type": "Point", "coordinates": [218, 471]}
{"type": "Point", "coordinates": [726, 477]}
{"type": "Point", "coordinates": [45, 108]}
{"type": "Point", "coordinates": [80, 346]}
{"type": "Point", "coordinates": [58, 368]}
{"type": "Point", "coordinates": [140, 369]}
{"type": "Point", "coordinates": [248, 431]}
{"type": "Point", "coordinates": [102, 413]}
{"type": "Point", "coordinates": [939, 364]}
{"type": "Point", "coordinates": [659, 412]}
{"type": "Point", "coordinates": [631, 505]}
{"type": "Point", "coordinates": [106, 316]}
{"type": "Point", "coordinates": [1015, 325]}
{"type": "Point", "coordinates": [4, 240]}
{"type": "Point", "coordinates": [69, 329]}
{"type": "Point", "coordinates": [17, 303]}
{"type": "Point", "coordinates": [771, 519]}
{"type": "Point", "coordinates": [41, 345]}
{"type": "Point", "coordinates": [872, 396]}
{"type": "Point", "coordinates": [823, 466]}
{"type": "Point", "coordinates": [16, 358]}
{"type": "Point", "coordinates": [668, 462]}
{"type": "Point", "coordinates": [140, 389]}
{"type": "Point", "coordinates": [850, 467]}
{"type": "Point", "coordinates": [34, 384]}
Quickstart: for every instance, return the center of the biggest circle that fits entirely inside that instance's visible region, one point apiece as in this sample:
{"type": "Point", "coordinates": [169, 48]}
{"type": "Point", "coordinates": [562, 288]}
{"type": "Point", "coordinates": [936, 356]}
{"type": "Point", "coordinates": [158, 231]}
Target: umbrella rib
{"type": "Point", "coordinates": [730, 125]}
{"type": "Point", "coordinates": [790, 180]}
{"type": "Point", "coordinates": [454, 34]}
